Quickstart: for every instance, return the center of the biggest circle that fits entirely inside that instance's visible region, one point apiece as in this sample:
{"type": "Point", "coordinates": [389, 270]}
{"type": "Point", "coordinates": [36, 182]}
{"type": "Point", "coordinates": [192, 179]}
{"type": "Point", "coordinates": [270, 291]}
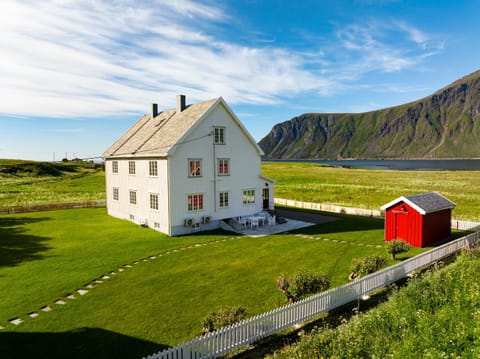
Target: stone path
{"type": "Point", "coordinates": [94, 283]}
{"type": "Point", "coordinates": [317, 238]}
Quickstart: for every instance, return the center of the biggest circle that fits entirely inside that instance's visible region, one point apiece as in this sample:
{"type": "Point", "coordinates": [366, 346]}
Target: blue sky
{"type": "Point", "coordinates": [74, 75]}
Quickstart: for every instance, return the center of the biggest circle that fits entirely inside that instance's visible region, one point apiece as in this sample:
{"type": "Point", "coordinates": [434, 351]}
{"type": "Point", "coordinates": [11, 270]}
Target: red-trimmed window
{"type": "Point", "coordinates": [195, 202]}
{"type": "Point", "coordinates": [194, 168]}
{"type": "Point", "coordinates": [223, 167]}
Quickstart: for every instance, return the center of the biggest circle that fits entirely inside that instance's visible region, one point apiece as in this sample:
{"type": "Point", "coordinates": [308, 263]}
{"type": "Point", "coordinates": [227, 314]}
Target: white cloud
{"type": "Point", "coordinates": [68, 58]}
{"type": "Point", "coordinates": [96, 58]}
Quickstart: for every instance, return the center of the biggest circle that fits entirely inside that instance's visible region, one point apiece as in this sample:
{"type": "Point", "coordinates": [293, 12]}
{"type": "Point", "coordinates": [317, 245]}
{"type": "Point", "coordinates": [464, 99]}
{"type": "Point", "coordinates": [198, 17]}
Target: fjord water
{"type": "Point", "coordinates": [402, 165]}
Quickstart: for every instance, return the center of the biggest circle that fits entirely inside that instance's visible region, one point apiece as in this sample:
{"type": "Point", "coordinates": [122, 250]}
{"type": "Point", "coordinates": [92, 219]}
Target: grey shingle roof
{"type": "Point", "coordinates": [424, 203]}
{"type": "Point", "coordinates": [155, 137]}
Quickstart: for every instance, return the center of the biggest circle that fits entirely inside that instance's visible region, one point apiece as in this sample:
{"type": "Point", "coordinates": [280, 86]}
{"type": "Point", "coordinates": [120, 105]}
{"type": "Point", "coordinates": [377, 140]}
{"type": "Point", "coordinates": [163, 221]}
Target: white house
{"type": "Point", "coordinates": [186, 169]}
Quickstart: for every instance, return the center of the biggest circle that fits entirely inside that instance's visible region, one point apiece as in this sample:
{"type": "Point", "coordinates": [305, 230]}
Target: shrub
{"type": "Point", "coordinates": [305, 283]}
{"type": "Point", "coordinates": [367, 265]}
{"type": "Point", "coordinates": [283, 284]}
{"type": "Point", "coordinates": [397, 246]}
{"type": "Point", "coordinates": [223, 317]}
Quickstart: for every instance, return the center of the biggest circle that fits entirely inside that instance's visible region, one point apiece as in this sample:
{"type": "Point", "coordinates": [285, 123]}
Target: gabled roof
{"type": "Point", "coordinates": [158, 136]}
{"type": "Point", "coordinates": [423, 203]}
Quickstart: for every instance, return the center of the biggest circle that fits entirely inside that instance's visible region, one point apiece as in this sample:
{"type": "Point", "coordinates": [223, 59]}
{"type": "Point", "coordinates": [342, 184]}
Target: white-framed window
{"type": "Point", "coordinates": [133, 197]}
{"type": "Point", "coordinates": [223, 168]}
{"type": "Point", "coordinates": [248, 196]}
{"type": "Point", "coordinates": [153, 168]}
{"type": "Point", "coordinates": [154, 201]}
{"type": "Point", "coordinates": [132, 217]}
{"type": "Point", "coordinates": [223, 199]}
{"type": "Point", "coordinates": [156, 225]}
{"type": "Point", "coordinates": [131, 167]}
{"type": "Point", "coordinates": [116, 193]}
{"type": "Point", "coordinates": [195, 202]}
{"type": "Point", "coordinates": [219, 135]}
{"type": "Point", "coordinates": [114, 166]}
{"type": "Point", "coordinates": [194, 167]}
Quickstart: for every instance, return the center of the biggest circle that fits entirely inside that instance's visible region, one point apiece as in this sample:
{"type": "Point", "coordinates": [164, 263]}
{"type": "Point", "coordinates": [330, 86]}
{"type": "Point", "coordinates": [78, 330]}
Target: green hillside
{"type": "Point", "coordinates": [30, 182]}
{"type": "Point", "coordinates": [443, 125]}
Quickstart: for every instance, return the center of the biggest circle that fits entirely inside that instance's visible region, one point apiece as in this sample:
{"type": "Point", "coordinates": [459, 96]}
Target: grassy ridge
{"type": "Point", "coordinates": [27, 182]}
{"type": "Point", "coordinates": [372, 188]}
{"type": "Point", "coordinates": [436, 316]}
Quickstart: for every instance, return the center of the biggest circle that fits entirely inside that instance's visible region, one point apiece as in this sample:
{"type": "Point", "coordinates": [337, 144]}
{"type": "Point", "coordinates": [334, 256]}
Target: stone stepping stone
{"type": "Point", "coordinates": [360, 244]}
{"type": "Point", "coordinates": [89, 286]}
{"type": "Point", "coordinates": [46, 308]}
{"type": "Point", "coordinates": [135, 263]}
{"type": "Point", "coordinates": [334, 240]}
{"type": "Point", "coordinates": [98, 281]}
{"type": "Point", "coordinates": [105, 277]}
{"type": "Point", "coordinates": [16, 321]}
{"type": "Point", "coordinates": [121, 269]}
{"type": "Point", "coordinates": [33, 315]}
{"type": "Point", "coordinates": [1, 328]}
{"type": "Point", "coordinates": [378, 246]}
{"type": "Point", "coordinates": [145, 260]}
{"type": "Point", "coordinates": [128, 266]}
{"type": "Point", "coordinates": [70, 296]}
{"type": "Point", "coordinates": [196, 245]}
{"type": "Point", "coordinates": [113, 273]}
{"type": "Point", "coordinates": [343, 242]}
{"type": "Point", "coordinates": [82, 291]}
{"type": "Point", "coordinates": [153, 257]}
{"type": "Point", "coordinates": [60, 302]}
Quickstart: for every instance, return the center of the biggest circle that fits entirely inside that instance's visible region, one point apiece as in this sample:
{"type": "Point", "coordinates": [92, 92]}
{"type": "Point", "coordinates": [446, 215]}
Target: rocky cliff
{"type": "Point", "coordinates": [443, 125]}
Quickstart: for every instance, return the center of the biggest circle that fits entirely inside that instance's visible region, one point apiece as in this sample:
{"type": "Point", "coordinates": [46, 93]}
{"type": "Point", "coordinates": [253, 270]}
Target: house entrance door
{"type": "Point", "coordinates": [266, 198]}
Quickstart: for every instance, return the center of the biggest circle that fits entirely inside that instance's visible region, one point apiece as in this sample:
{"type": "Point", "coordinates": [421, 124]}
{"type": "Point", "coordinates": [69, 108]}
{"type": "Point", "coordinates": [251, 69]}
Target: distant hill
{"type": "Point", "coordinates": [443, 125]}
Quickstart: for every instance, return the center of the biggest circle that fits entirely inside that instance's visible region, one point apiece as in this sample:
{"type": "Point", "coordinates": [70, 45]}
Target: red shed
{"type": "Point", "coordinates": [420, 219]}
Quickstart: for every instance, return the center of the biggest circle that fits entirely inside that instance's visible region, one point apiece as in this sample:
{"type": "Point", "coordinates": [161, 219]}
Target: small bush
{"type": "Point", "coordinates": [367, 265]}
{"type": "Point", "coordinates": [223, 317]}
{"type": "Point", "coordinates": [305, 283]}
{"type": "Point", "coordinates": [397, 246]}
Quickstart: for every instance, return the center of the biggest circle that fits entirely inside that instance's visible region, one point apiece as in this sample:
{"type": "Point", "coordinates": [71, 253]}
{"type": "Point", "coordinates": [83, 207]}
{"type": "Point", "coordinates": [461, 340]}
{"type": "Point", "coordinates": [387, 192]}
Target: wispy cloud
{"type": "Point", "coordinates": [98, 58]}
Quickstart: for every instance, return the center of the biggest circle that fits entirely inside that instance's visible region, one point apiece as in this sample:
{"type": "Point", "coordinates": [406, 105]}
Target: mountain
{"type": "Point", "coordinates": [443, 125]}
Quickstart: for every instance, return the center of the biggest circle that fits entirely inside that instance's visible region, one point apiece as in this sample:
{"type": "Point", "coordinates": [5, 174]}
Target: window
{"type": "Point", "coordinates": [223, 199]}
{"type": "Point", "coordinates": [156, 225]}
{"type": "Point", "coordinates": [154, 201]}
{"type": "Point", "coordinates": [132, 217]}
{"type": "Point", "coordinates": [133, 197]}
{"type": "Point", "coordinates": [114, 166]}
{"type": "Point", "coordinates": [248, 196]}
{"type": "Point", "coordinates": [194, 168]}
{"type": "Point", "coordinates": [223, 167]}
{"type": "Point", "coordinates": [153, 168]}
{"type": "Point", "coordinates": [219, 135]}
{"type": "Point", "coordinates": [195, 202]}
{"type": "Point", "coordinates": [131, 167]}
{"type": "Point", "coordinates": [115, 194]}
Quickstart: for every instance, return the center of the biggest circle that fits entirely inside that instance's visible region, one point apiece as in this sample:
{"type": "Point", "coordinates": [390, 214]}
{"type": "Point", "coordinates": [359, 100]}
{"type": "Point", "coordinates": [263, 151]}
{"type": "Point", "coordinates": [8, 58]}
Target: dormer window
{"type": "Point", "coordinates": [219, 135]}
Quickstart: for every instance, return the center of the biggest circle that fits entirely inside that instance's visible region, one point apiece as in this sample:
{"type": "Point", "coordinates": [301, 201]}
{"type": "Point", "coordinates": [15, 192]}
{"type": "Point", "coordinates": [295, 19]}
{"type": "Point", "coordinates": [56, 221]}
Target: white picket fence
{"type": "Point", "coordinates": [456, 224]}
{"type": "Point", "coordinates": [220, 342]}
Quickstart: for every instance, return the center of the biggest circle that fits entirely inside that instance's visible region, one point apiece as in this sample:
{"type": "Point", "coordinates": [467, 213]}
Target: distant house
{"type": "Point", "coordinates": [186, 169]}
{"type": "Point", "coordinates": [420, 219]}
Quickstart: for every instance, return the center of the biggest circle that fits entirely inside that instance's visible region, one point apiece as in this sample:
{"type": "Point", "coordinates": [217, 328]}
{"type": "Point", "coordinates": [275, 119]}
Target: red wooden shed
{"type": "Point", "coordinates": [419, 220]}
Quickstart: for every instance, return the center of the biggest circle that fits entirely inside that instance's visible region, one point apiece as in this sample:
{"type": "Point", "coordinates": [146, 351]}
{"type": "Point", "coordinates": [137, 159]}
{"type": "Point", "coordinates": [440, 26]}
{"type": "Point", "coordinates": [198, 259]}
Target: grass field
{"type": "Point", "coordinates": [301, 181]}
{"type": "Point", "coordinates": [41, 182]}
{"type": "Point", "coordinates": [372, 188]}
{"type": "Point", "coordinates": [159, 302]}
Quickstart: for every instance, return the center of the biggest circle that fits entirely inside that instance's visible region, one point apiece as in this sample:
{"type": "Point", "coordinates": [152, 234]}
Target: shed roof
{"type": "Point", "coordinates": [424, 203]}
{"type": "Point", "coordinates": [157, 137]}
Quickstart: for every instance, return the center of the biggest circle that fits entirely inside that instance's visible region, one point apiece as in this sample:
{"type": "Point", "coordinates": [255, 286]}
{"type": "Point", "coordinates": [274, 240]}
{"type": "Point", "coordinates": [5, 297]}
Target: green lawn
{"type": "Point", "coordinates": [158, 302]}
{"type": "Point", "coordinates": [373, 188]}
